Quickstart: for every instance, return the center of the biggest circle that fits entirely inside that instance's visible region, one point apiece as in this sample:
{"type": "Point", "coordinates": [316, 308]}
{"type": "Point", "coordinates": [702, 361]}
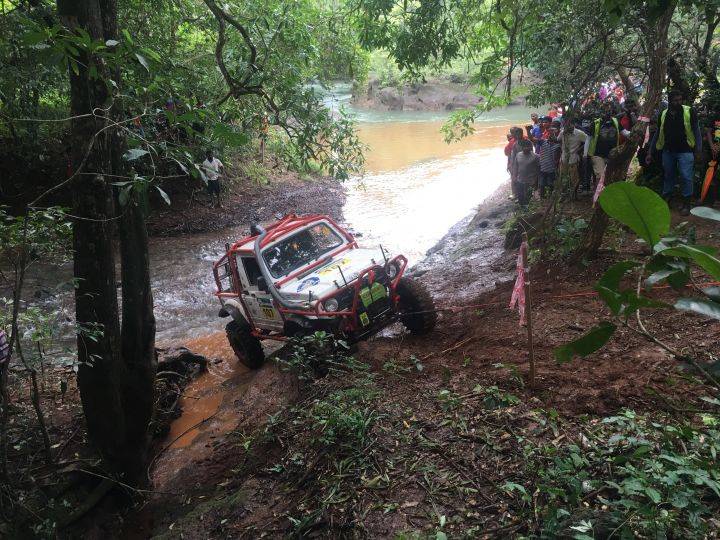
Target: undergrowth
{"type": "Point", "coordinates": [367, 451]}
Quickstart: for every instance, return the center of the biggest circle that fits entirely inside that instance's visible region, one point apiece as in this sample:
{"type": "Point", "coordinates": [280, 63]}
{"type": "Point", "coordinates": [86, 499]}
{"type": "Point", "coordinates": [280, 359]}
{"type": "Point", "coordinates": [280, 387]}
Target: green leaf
{"type": "Point", "coordinates": [143, 61]}
{"type": "Point", "coordinates": [609, 284]}
{"type": "Point", "coordinates": [712, 400]}
{"type": "Point", "coordinates": [705, 212]}
{"type": "Point", "coordinates": [707, 308]}
{"type": "Point", "coordinates": [702, 256]}
{"type": "Point", "coordinates": [612, 298]}
{"type": "Point", "coordinates": [230, 137]}
{"type": "Point", "coordinates": [654, 494]}
{"type": "Point", "coordinates": [657, 277]}
{"type": "Point", "coordinates": [587, 344]}
{"type": "Point", "coordinates": [612, 276]}
{"type": "Point", "coordinates": [134, 153]}
{"type": "Point", "coordinates": [164, 195]}
{"type": "Point", "coordinates": [33, 38]}
{"type": "Point", "coordinates": [640, 208]}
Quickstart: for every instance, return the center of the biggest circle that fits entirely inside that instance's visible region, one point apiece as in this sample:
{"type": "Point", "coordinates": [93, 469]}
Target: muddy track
{"type": "Point", "coordinates": [228, 473]}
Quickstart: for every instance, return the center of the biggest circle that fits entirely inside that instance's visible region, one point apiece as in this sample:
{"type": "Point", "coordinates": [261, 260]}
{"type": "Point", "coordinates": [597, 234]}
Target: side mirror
{"type": "Point", "coordinates": [262, 284]}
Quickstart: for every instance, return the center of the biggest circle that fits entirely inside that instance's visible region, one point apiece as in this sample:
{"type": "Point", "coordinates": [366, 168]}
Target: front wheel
{"type": "Point", "coordinates": [247, 347]}
{"type": "Point", "coordinates": [416, 306]}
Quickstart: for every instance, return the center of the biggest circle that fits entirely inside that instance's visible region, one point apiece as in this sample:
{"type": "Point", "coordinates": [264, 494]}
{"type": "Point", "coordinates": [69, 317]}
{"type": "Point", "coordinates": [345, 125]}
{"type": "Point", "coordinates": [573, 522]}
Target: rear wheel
{"type": "Point", "coordinates": [417, 309]}
{"type": "Point", "coordinates": [247, 347]}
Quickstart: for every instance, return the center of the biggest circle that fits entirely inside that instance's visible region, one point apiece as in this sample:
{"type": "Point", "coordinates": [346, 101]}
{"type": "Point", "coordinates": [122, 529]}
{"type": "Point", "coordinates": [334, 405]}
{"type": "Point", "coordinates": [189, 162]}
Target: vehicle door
{"type": "Point", "coordinates": [259, 303]}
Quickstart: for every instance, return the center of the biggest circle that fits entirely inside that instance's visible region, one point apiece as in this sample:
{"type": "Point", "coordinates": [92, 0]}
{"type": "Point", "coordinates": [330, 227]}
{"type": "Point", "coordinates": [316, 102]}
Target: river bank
{"type": "Point", "coordinates": [245, 202]}
{"type": "Point", "coordinates": [440, 93]}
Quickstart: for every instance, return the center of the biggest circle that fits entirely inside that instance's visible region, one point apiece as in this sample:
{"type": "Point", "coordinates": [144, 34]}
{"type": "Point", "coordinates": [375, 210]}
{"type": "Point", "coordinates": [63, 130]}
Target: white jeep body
{"type": "Point", "coordinates": [306, 287]}
{"type": "Point", "coordinates": [329, 277]}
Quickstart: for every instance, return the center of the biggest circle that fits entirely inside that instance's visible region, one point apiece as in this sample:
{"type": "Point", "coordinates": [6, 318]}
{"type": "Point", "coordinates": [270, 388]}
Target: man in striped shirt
{"type": "Point", "coordinates": [549, 159]}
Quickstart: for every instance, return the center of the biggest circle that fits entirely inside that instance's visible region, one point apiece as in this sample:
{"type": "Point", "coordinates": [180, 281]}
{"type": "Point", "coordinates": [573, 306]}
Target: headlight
{"type": "Point", "coordinates": [331, 304]}
{"type": "Point", "coordinates": [391, 270]}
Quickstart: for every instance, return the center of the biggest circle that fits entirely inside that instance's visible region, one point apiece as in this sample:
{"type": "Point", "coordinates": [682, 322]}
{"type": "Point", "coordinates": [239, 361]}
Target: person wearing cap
{"type": "Point", "coordinates": [678, 138]}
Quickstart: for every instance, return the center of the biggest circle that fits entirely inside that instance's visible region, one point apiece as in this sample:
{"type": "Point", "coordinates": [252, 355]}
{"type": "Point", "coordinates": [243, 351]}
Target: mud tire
{"type": "Point", "coordinates": [247, 347]}
{"type": "Point", "coordinates": [414, 297]}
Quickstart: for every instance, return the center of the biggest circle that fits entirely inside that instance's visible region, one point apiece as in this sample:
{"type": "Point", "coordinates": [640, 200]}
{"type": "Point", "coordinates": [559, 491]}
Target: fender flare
{"type": "Point", "coordinates": [234, 309]}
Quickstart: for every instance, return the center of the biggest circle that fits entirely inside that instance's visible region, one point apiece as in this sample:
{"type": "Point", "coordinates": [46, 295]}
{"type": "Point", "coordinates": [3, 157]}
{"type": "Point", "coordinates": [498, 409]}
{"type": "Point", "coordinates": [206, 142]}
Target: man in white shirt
{"type": "Point", "coordinates": [572, 142]}
{"type": "Point", "coordinates": [212, 168]}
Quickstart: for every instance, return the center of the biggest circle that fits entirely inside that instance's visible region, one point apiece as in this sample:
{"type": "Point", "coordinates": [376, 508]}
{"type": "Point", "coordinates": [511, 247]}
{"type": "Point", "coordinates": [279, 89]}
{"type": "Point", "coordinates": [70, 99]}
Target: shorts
{"type": "Point", "coordinates": [213, 187]}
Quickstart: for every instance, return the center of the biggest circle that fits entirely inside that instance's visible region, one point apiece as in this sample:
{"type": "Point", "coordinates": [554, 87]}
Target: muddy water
{"type": "Point", "coordinates": [415, 189]}
{"type": "Point", "coordinates": [417, 186]}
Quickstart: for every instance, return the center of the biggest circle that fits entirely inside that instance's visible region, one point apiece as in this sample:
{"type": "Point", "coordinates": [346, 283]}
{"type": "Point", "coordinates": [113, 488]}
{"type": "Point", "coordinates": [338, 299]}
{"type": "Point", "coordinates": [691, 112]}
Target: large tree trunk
{"type": "Point", "coordinates": [138, 334]}
{"type": "Point", "coordinates": [96, 308]}
{"type": "Point", "coordinates": [117, 371]}
{"type": "Point", "coordinates": [656, 37]}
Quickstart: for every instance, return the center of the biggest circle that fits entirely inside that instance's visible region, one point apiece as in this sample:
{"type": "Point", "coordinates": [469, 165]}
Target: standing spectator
{"type": "Point", "coordinates": [549, 158]}
{"type": "Point", "coordinates": [509, 146]}
{"type": "Point", "coordinates": [678, 137]}
{"type": "Point", "coordinates": [628, 117]}
{"type": "Point", "coordinates": [540, 133]}
{"type": "Point", "coordinates": [712, 136]}
{"type": "Point", "coordinates": [518, 136]}
{"type": "Point", "coordinates": [572, 141]}
{"type": "Point", "coordinates": [605, 135]}
{"type": "Point", "coordinates": [527, 171]}
{"type": "Point", "coordinates": [212, 168]}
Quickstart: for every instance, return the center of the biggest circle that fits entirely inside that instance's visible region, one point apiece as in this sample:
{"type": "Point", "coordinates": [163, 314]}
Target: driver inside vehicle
{"type": "Point", "coordinates": [300, 249]}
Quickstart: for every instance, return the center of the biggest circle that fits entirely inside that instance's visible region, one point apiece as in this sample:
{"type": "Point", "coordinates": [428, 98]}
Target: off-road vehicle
{"type": "Point", "coordinates": [306, 273]}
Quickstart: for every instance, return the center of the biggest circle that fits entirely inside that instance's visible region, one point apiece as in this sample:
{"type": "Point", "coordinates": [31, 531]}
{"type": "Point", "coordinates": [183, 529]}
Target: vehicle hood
{"type": "Point", "coordinates": [320, 281]}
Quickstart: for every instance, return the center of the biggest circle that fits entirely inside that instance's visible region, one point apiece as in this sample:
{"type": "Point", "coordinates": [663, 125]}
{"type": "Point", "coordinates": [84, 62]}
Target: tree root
{"type": "Point", "coordinates": [97, 494]}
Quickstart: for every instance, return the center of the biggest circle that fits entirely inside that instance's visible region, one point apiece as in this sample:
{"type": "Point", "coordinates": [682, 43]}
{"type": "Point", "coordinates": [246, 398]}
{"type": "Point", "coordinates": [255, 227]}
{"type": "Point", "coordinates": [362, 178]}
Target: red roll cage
{"type": "Point", "coordinates": [276, 231]}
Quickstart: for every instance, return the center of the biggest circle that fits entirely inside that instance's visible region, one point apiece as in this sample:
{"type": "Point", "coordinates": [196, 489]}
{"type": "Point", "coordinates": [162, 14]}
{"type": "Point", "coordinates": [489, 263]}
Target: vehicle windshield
{"type": "Point", "coordinates": [300, 249]}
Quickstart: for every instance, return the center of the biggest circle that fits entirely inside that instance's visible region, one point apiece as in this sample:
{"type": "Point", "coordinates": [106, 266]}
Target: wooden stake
{"type": "Point", "coordinates": [528, 310]}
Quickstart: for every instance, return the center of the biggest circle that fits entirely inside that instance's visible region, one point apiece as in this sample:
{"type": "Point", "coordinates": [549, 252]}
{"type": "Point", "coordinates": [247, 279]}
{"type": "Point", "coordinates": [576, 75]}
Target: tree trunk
{"type": "Point", "coordinates": [96, 308]}
{"type": "Point", "coordinates": [656, 37]}
{"type": "Point", "coordinates": [117, 370]}
{"type": "Point", "coordinates": [138, 334]}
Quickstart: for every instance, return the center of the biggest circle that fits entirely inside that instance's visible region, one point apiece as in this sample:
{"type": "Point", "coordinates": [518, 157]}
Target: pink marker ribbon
{"type": "Point", "coordinates": [518, 293]}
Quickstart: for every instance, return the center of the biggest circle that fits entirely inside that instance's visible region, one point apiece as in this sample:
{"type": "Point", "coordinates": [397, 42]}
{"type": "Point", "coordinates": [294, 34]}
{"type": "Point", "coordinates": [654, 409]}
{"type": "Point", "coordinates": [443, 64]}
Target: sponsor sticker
{"type": "Point", "coordinates": [309, 282]}
{"type": "Point", "coordinates": [334, 266]}
{"type": "Point", "coordinates": [268, 312]}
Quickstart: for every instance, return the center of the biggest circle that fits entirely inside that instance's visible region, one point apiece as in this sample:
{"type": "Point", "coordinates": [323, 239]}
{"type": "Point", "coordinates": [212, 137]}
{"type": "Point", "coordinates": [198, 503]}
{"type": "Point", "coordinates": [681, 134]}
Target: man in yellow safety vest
{"type": "Point", "coordinates": [605, 135]}
{"type": "Point", "coordinates": [678, 137]}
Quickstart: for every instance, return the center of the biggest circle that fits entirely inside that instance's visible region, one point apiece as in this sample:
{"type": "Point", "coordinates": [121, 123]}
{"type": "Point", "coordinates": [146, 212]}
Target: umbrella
{"type": "Point", "coordinates": [709, 175]}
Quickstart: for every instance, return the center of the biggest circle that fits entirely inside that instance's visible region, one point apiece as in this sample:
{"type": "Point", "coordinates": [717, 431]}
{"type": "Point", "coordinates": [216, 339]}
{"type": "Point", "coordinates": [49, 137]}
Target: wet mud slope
{"type": "Point", "coordinates": [425, 434]}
